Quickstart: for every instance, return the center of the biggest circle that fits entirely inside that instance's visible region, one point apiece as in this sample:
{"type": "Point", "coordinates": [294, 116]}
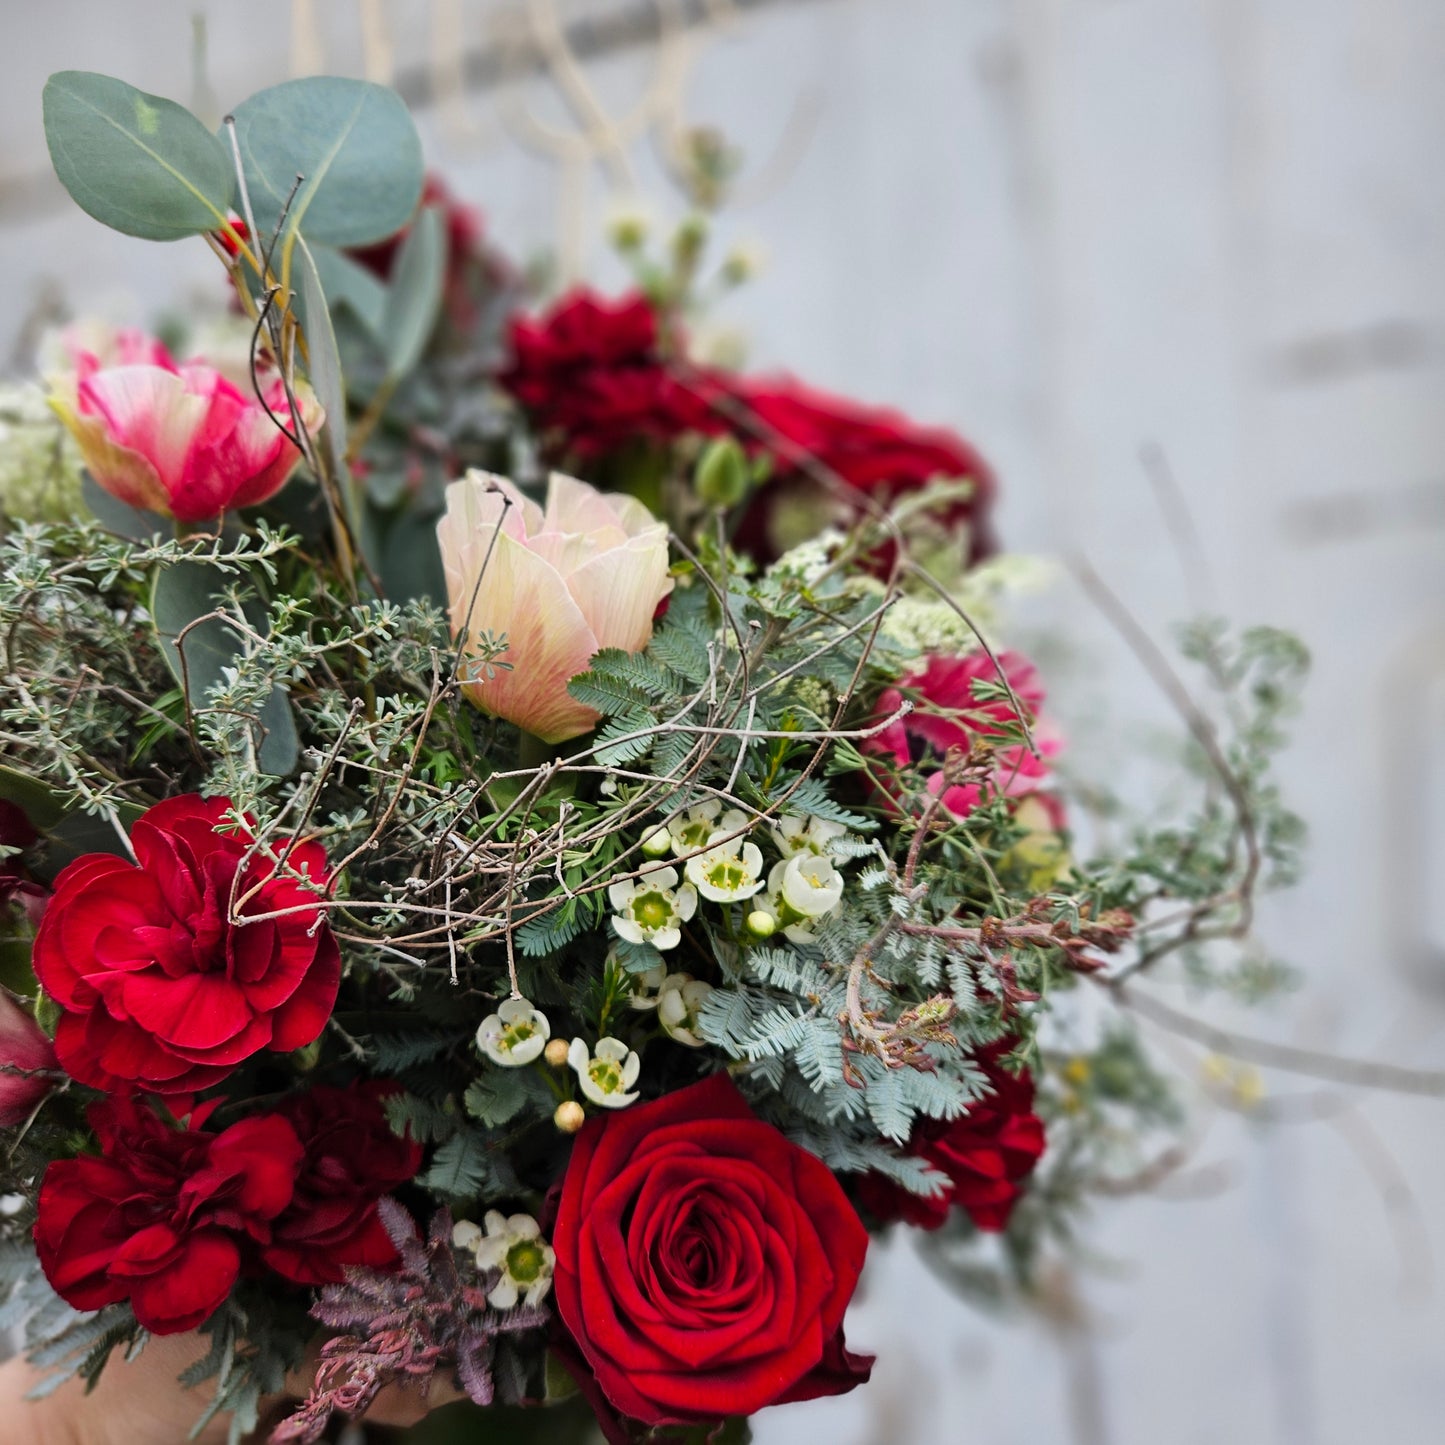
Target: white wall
{"type": "Point", "coordinates": [1070, 228]}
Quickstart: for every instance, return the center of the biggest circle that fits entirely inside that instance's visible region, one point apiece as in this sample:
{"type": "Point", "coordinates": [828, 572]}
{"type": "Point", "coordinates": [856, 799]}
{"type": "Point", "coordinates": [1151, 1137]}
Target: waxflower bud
{"type": "Point", "coordinates": [556, 1053]}
{"type": "Point", "coordinates": [762, 925]}
{"type": "Point", "coordinates": [657, 842]}
{"type": "Point", "coordinates": [569, 1117]}
{"type": "Point", "coordinates": [722, 474]}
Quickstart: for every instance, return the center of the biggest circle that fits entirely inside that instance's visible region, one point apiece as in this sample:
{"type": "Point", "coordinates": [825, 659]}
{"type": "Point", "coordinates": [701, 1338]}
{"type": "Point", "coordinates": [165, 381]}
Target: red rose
{"type": "Point", "coordinates": [950, 713]}
{"type": "Point", "coordinates": [986, 1154]}
{"type": "Point", "coordinates": [878, 451]}
{"type": "Point", "coordinates": [352, 1158]}
{"type": "Point", "coordinates": [28, 1067]}
{"type": "Point", "coordinates": [161, 1218]}
{"type": "Point", "coordinates": [592, 371]}
{"type": "Point", "coordinates": [704, 1262]}
{"type": "Point", "coordinates": [159, 988]}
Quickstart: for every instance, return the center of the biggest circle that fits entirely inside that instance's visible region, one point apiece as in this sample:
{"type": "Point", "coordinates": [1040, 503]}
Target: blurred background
{"type": "Point", "coordinates": [1175, 267]}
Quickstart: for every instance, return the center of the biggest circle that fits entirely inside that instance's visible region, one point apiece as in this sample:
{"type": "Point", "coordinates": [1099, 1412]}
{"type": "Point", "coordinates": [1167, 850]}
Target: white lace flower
{"type": "Point", "coordinates": [646, 985]}
{"type": "Point", "coordinates": [803, 833]}
{"type": "Point", "coordinates": [728, 872]}
{"type": "Point", "coordinates": [650, 909]}
{"type": "Point", "coordinates": [801, 890]}
{"type": "Point", "coordinates": [515, 1246]}
{"type": "Point", "coordinates": [678, 1001]}
{"type": "Point", "coordinates": [514, 1035]}
{"type": "Point", "coordinates": [607, 1072]}
{"type": "Point", "coordinates": [694, 827]}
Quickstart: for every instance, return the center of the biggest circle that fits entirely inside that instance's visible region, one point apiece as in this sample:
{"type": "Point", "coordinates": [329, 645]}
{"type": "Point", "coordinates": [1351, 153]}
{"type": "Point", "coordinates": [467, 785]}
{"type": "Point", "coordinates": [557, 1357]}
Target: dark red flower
{"type": "Point", "coordinates": [704, 1262]}
{"type": "Point", "coordinates": [986, 1154]}
{"type": "Point", "coordinates": [28, 1067]}
{"type": "Point", "coordinates": [159, 988]}
{"type": "Point", "coordinates": [878, 451]}
{"type": "Point", "coordinates": [951, 713]}
{"type": "Point", "coordinates": [162, 1217]}
{"type": "Point", "coordinates": [352, 1158]}
{"type": "Point", "coordinates": [591, 374]}
{"type": "Point", "coordinates": [18, 890]}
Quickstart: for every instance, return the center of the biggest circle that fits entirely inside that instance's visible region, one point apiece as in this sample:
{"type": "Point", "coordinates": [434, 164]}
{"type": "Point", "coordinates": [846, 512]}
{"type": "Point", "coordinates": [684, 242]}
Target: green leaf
{"type": "Point", "coordinates": [460, 1168]}
{"type": "Point", "coordinates": [120, 517]}
{"type": "Point", "coordinates": [323, 360]}
{"type": "Point", "coordinates": [138, 163]}
{"type": "Point", "coordinates": [186, 591]}
{"type": "Point", "coordinates": [415, 295]}
{"type": "Point", "coordinates": [355, 147]}
{"type": "Point", "coordinates": [350, 285]}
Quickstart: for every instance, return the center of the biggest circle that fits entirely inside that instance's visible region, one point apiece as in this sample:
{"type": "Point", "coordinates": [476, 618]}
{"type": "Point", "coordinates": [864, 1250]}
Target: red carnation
{"type": "Point", "coordinates": [880, 452]}
{"type": "Point", "coordinates": [704, 1262]}
{"type": "Point", "coordinates": [951, 713]}
{"type": "Point", "coordinates": [986, 1154]}
{"type": "Point", "coordinates": [591, 373]}
{"type": "Point", "coordinates": [161, 1218]}
{"type": "Point", "coordinates": [352, 1158]}
{"type": "Point", "coordinates": [159, 988]}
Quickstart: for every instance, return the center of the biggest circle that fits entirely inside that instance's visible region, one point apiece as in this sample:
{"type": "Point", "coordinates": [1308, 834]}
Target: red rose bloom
{"type": "Point", "coordinates": [591, 372]}
{"type": "Point", "coordinates": [352, 1158]}
{"type": "Point", "coordinates": [161, 1218]}
{"type": "Point", "coordinates": [949, 713]}
{"type": "Point", "coordinates": [878, 451]}
{"type": "Point", "coordinates": [160, 990]}
{"type": "Point", "coordinates": [704, 1262]}
{"type": "Point", "coordinates": [986, 1153]}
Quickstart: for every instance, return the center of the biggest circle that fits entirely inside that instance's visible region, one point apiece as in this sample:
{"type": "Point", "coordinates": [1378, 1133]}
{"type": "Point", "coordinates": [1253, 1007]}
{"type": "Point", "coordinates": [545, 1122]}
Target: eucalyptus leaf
{"type": "Point", "coordinates": [69, 830]}
{"type": "Point", "coordinates": [139, 163]}
{"type": "Point", "coordinates": [186, 591]}
{"type": "Point", "coordinates": [414, 297]}
{"type": "Point", "coordinates": [120, 517]}
{"type": "Point", "coordinates": [323, 359]}
{"type": "Point", "coordinates": [348, 284]}
{"type": "Point", "coordinates": [355, 147]}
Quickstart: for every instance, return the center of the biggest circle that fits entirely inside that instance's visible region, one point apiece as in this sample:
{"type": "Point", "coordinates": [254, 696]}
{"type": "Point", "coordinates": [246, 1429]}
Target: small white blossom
{"type": "Point", "coordinates": [466, 1235]}
{"type": "Point", "coordinates": [646, 986]}
{"type": "Point", "coordinates": [694, 827]}
{"type": "Point", "coordinates": [803, 833]}
{"type": "Point", "coordinates": [607, 1072]}
{"type": "Point", "coordinates": [728, 872]}
{"type": "Point", "coordinates": [652, 908]}
{"type": "Point", "coordinates": [514, 1035]}
{"type": "Point", "coordinates": [515, 1246]}
{"type": "Point", "coordinates": [678, 1001]}
{"type": "Point", "coordinates": [801, 890]}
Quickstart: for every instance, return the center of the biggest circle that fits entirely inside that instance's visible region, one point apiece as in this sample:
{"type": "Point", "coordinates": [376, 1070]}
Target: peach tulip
{"type": "Point", "coordinates": [180, 440]}
{"type": "Point", "coordinates": [586, 572]}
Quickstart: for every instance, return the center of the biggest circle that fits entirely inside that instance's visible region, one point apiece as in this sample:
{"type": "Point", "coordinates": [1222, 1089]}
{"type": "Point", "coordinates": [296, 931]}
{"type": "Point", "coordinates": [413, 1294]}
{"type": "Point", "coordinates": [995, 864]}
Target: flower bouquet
{"type": "Point", "coordinates": [524, 849]}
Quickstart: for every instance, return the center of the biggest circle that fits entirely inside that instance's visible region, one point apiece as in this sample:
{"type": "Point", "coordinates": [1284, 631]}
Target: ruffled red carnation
{"type": "Point", "coordinates": [986, 1155]}
{"type": "Point", "coordinates": [352, 1158]}
{"type": "Point", "coordinates": [159, 989]}
{"type": "Point", "coordinates": [163, 1216]}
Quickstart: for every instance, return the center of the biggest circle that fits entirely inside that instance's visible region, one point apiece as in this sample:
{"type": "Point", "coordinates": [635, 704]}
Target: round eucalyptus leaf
{"type": "Point", "coordinates": [355, 147]}
{"type": "Point", "coordinates": [139, 163]}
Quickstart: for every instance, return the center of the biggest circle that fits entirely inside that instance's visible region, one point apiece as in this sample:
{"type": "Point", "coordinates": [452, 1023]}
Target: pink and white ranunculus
{"type": "Point", "coordinates": [586, 572]}
{"type": "Point", "coordinates": [180, 440]}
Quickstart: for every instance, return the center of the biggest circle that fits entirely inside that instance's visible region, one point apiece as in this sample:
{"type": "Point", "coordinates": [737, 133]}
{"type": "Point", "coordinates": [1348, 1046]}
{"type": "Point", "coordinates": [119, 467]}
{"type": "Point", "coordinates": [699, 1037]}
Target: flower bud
{"type": "Point", "coordinates": [569, 1117]}
{"type": "Point", "coordinates": [556, 1053]}
{"type": "Point", "coordinates": [722, 474]}
{"type": "Point", "coordinates": [657, 842]}
{"type": "Point", "coordinates": [761, 925]}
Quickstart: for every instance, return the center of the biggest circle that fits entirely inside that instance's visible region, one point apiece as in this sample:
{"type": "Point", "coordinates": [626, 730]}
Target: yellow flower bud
{"type": "Point", "coordinates": [556, 1053]}
{"type": "Point", "coordinates": [569, 1117]}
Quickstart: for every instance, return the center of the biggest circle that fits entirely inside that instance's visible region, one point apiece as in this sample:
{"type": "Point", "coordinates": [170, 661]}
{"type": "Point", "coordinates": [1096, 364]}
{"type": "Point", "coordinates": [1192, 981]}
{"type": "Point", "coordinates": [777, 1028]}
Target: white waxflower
{"type": "Point", "coordinates": [514, 1035]}
{"type": "Point", "coordinates": [694, 827]}
{"type": "Point", "coordinates": [678, 1001]}
{"type": "Point", "coordinates": [515, 1246]}
{"type": "Point", "coordinates": [646, 985]}
{"type": "Point", "coordinates": [728, 872]}
{"type": "Point", "coordinates": [652, 908]}
{"type": "Point", "coordinates": [803, 833]}
{"type": "Point", "coordinates": [466, 1235]}
{"type": "Point", "coordinates": [607, 1072]}
{"type": "Point", "coordinates": [801, 890]}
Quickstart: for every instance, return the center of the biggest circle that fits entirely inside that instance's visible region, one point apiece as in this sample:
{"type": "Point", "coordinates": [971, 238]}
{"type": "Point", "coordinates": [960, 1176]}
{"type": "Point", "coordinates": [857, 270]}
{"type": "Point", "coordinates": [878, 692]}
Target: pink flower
{"type": "Point", "coordinates": [586, 573]}
{"type": "Point", "coordinates": [949, 712]}
{"type": "Point", "coordinates": [179, 440]}
{"type": "Point", "coordinates": [26, 1056]}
